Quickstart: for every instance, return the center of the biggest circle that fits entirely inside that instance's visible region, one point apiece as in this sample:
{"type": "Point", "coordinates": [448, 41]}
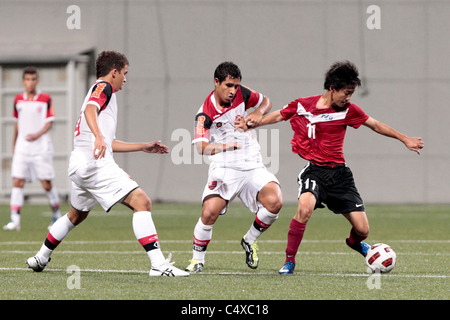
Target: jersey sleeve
{"type": "Point", "coordinates": [355, 116]}
{"type": "Point", "coordinates": [252, 99]}
{"type": "Point", "coordinates": [101, 94]}
{"type": "Point", "coordinates": [50, 110]}
{"type": "Point", "coordinates": [289, 110]}
{"type": "Point", "coordinates": [203, 123]}
{"type": "Point", "coordinates": [15, 112]}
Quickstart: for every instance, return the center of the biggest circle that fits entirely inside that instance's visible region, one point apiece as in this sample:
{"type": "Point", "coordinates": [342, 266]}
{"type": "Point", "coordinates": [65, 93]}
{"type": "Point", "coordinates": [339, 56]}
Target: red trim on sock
{"type": "Point", "coordinates": [262, 224]}
{"type": "Point", "coordinates": [148, 239]}
{"type": "Point", "coordinates": [201, 243]}
{"type": "Point", "coordinates": [52, 239]}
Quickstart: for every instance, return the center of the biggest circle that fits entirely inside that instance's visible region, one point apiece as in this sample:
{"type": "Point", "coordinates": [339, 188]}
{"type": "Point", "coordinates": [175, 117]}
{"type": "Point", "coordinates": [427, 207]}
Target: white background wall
{"type": "Point", "coordinates": [283, 49]}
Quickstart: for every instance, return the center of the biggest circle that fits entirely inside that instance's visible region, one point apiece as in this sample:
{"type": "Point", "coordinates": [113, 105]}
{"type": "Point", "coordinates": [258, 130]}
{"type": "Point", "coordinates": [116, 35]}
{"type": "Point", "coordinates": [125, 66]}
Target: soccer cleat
{"type": "Point", "coordinates": [361, 247]}
{"type": "Point", "coordinates": [365, 248]}
{"type": "Point", "coordinates": [251, 253]}
{"type": "Point", "coordinates": [167, 270]}
{"type": "Point", "coordinates": [194, 266]}
{"type": "Point", "coordinates": [287, 268]}
{"type": "Point", "coordinates": [36, 264]}
{"type": "Point", "coordinates": [11, 226]}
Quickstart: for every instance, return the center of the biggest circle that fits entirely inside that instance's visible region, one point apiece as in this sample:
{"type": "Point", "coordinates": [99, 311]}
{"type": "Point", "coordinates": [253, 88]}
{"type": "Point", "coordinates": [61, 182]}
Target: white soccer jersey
{"type": "Point", "coordinates": [102, 95]}
{"type": "Point", "coordinates": [31, 115]}
{"type": "Point", "coordinates": [217, 126]}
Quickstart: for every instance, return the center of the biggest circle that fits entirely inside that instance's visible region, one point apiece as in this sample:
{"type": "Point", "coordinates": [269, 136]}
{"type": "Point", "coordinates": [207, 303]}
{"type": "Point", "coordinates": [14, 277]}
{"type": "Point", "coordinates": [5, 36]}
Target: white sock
{"type": "Point", "coordinates": [145, 231]}
{"type": "Point", "coordinates": [16, 203]}
{"type": "Point", "coordinates": [263, 220]}
{"type": "Point", "coordinates": [53, 200]}
{"type": "Point", "coordinates": [58, 231]}
{"type": "Point", "coordinates": [202, 237]}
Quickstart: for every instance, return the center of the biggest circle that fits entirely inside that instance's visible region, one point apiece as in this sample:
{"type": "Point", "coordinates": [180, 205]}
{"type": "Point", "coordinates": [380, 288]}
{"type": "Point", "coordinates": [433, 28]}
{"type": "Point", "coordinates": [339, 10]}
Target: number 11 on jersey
{"type": "Point", "coordinates": [311, 130]}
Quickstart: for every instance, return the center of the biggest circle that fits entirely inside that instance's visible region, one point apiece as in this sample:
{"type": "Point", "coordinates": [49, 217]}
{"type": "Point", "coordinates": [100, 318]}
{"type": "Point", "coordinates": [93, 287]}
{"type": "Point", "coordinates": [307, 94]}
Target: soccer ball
{"type": "Point", "coordinates": [381, 258]}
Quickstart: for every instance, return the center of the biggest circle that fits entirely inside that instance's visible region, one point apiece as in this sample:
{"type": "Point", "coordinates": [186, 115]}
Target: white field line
{"type": "Point", "coordinates": [9, 243]}
{"type": "Point", "coordinates": [262, 252]}
{"type": "Point", "coordinates": [94, 242]}
{"type": "Point", "coordinates": [323, 274]}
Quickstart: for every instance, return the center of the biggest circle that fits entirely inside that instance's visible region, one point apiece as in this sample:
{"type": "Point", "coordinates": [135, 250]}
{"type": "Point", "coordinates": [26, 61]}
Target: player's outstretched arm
{"type": "Point", "coordinates": [149, 147]}
{"type": "Point", "coordinates": [254, 118]}
{"type": "Point", "coordinates": [412, 143]}
{"type": "Point", "coordinates": [271, 118]}
{"type": "Point", "coordinates": [155, 147]}
{"type": "Point", "coordinates": [213, 148]}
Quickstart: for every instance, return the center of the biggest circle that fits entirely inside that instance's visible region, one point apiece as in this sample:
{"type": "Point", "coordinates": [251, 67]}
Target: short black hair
{"type": "Point", "coordinates": [342, 74]}
{"type": "Point", "coordinates": [29, 70]}
{"type": "Point", "coordinates": [226, 69]}
{"type": "Point", "coordinates": [109, 60]}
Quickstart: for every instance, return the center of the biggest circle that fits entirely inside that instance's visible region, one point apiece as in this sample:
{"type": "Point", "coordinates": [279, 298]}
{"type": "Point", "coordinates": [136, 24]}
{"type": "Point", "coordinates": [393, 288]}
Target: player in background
{"type": "Point", "coordinates": [32, 146]}
{"type": "Point", "coordinates": [236, 168]}
{"type": "Point", "coordinates": [95, 176]}
{"type": "Point", "coordinates": [319, 124]}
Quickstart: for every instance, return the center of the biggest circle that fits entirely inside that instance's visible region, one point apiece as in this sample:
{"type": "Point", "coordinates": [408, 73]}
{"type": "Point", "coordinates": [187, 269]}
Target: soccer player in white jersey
{"type": "Point", "coordinates": [32, 146]}
{"type": "Point", "coordinates": [95, 176]}
{"type": "Point", "coordinates": [236, 168]}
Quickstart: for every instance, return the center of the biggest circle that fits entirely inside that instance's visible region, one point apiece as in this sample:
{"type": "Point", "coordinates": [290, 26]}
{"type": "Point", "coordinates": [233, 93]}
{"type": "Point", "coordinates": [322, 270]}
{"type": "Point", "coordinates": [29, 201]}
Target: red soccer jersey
{"type": "Point", "coordinates": [319, 133]}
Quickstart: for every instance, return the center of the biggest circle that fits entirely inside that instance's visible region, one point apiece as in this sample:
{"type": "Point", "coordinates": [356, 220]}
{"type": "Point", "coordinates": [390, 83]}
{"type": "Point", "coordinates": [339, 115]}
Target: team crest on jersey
{"type": "Point", "coordinates": [212, 185]}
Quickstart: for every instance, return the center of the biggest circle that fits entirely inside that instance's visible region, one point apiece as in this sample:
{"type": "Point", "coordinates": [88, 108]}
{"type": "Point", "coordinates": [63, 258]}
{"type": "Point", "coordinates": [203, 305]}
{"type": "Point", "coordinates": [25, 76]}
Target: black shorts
{"type": "Point", "coordinates": [333, 186]}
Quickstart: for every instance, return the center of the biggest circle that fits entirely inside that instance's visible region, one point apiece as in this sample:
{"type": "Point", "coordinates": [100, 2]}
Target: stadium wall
{"type": "Point", "coordinates": [283, 49]}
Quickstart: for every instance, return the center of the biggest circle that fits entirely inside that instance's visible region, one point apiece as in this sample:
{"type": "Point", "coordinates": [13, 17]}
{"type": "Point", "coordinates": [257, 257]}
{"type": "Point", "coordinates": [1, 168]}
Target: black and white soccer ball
{"type": "Point", "coordinates": [381, 258]}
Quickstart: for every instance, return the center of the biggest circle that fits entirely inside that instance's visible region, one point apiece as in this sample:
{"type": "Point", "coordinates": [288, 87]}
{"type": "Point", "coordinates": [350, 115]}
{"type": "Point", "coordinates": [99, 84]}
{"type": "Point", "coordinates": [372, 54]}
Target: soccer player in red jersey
{"type": "Point", "coordinates": [319, 124]}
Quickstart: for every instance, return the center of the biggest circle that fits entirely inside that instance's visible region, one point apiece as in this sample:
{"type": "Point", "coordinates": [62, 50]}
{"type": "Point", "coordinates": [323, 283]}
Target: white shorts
{"type": "Point", "coordinates": [99, 181]}
{"type": "Point", "coordinates": [229, 183]}
{"type": "Point", "coordinates": [32, 167]}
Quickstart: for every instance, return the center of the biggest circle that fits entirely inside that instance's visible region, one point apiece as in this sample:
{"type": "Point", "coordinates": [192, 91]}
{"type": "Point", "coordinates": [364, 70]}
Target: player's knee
{"type": "Point", "coordinates": [47, 186]}
{"type": "Point", "coordinates": [18, 183]}
{"type": "Point", "coordinates": [146, 202]}
{"type": "Point", "coordinates": [303, 214]}
{"type": "Point", "coordinates": [271, 198]}
{"type": "Point", "coordinates": [140, 201]}
{"type": "Point", "coordinates": [274, 205]}
{"type": "Point", "coordinates": [76, 217]}
{"type": "Point", "coordinates": [209, 216]}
